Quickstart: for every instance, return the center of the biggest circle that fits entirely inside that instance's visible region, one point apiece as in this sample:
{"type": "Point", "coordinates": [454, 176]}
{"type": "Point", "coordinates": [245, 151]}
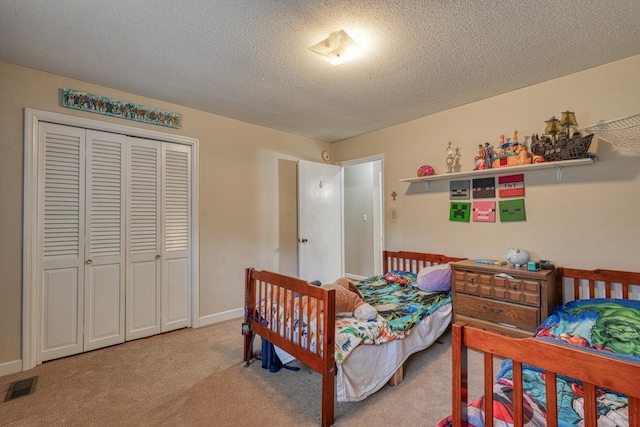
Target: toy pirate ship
{"type": "Point", "coordinates": [558, 143]}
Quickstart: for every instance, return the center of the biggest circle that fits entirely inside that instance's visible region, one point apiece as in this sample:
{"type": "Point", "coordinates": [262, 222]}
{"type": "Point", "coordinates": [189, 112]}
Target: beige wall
{"type": "Point", "coordinates": [588, 220]}
{"type": "Point", "coordinates": [242, 193]}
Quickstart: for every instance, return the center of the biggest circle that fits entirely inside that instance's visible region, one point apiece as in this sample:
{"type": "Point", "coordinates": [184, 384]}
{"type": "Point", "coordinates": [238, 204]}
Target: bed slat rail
{"type": "Point", "coordinates": [412, 261]}
{"type": "Point", "coordinates": [553, 359]}
{"type": "Point", "coordinates": [607, 278]}
{"type": "Point", "coordinates": [517, 395]}
{"type": "Point", "coordinates": [551, 388]}
{"type": "Point", "coordinates": [488, 384]}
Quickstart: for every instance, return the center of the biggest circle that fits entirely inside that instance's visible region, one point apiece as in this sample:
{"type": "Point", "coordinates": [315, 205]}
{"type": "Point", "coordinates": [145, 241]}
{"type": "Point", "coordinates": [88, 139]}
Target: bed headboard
{"type": "Point", "coordinates": [412, 261]}
{"type": "Point", "coordinates": [575, 284]}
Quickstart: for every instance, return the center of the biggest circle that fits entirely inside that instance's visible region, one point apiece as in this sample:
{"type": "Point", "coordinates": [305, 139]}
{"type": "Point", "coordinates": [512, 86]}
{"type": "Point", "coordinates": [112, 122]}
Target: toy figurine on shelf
{"type": "Point", "coordinates": [488, 155]}
{"type": "Point", "coordinates": [500, 149]}
{"type": "Point", "coordinates": [480, 159]}
{"type": "Point", "coordinates": [524, 156]}
{"type": "Point", "coordinates": [452, 156]}
{"type": "Point", "coordinates": [512, 153]}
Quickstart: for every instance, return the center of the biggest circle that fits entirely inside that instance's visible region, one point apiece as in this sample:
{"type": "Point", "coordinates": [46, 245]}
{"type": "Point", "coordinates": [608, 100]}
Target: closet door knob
{"type": "Point", "coordinates": [89, 261]}
{"type": "Point", "coordinates": [158, 256]}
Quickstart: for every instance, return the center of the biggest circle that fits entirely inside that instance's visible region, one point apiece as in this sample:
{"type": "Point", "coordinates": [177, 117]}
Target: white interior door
{"type": "Point", "coordinates": [60, 293]}
{"type": "Point", "coordinates": [104, 296]}
{"type": "Point", "coordinates": [143, 315]}
{"type": "Point", "coordinates": [319, 222]}
{"type": "Point", "coordinates": [176, 232]}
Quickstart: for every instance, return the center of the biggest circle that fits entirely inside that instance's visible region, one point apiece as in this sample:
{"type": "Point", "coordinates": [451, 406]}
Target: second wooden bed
{"type": "Point", "coordinates": [268, 292]}
{"type": "Point", "coordinates": [575, 374]}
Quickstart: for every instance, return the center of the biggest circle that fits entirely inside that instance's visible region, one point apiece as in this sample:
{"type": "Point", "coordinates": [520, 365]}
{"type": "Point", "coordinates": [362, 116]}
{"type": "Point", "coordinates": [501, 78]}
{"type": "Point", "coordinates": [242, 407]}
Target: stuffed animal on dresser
{"type": "Point", "coordinates": [349, 300]}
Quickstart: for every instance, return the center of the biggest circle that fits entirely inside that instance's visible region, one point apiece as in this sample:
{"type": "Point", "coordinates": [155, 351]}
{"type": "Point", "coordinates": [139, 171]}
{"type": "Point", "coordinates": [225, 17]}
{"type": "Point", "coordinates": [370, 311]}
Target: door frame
{"type": "Point", "coordinates": [30, 260]}
{"type": "Point", "coordinates": [368, 159]}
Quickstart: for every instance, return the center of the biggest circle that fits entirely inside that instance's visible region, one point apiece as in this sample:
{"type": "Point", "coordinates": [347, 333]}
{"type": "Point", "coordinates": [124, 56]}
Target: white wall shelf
{"type": "Point", "coordinates": [557, 165]}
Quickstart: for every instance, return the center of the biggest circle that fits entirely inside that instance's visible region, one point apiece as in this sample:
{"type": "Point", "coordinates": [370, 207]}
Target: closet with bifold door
{"type": "Point", "coordinates": [114, 238]}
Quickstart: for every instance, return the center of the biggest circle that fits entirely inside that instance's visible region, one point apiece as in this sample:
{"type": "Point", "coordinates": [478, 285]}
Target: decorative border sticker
{"type": "Point", "coordinates": [113, 107]}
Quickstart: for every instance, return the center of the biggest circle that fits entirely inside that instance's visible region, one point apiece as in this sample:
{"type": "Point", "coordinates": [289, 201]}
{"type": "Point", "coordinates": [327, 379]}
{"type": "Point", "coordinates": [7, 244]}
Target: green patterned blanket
{"type": "Point", "coordinates": [398, 299]}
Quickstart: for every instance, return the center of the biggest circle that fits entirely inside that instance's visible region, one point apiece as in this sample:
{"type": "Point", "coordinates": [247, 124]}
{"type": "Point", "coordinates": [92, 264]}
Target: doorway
{"type": "Point", "coordinates": [363, 221]}
{"type": "Point", "coordinates": [359, 221]}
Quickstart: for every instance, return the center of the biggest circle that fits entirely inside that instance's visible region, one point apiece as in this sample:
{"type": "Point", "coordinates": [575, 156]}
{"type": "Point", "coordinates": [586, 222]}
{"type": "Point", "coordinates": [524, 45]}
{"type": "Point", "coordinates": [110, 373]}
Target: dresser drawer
{"type": "Point", "coordinates": [491, 310]}
{"type": "Point", "coordinates": [515, 289]}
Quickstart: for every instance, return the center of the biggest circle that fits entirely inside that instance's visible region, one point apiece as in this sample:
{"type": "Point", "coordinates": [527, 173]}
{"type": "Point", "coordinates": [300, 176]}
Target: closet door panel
{"type": "Point", "coordinates": [176, 225]}
{"type": "Point", "coordinates": [143, 239]}
{"type": "Point", "coordinates": [176, 310]}
{"type": "Point", "coordinates": [103, 321]}
{"type": "Point", "coordinates": [60, 290]}
{"type": "Point", "coordinates": [105, 240]}
{"type": "Point", "coordinates": [143, 298]}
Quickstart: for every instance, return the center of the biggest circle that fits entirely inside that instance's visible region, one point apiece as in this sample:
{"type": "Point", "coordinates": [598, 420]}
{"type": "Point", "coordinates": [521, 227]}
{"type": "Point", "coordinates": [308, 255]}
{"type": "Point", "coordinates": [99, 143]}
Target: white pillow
{"type": "Point", "coordinates": [435, 278]}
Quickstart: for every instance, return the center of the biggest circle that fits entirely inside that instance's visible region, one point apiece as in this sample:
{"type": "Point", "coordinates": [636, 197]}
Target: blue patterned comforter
{"type": "Point", "coordinates": [604, 325]}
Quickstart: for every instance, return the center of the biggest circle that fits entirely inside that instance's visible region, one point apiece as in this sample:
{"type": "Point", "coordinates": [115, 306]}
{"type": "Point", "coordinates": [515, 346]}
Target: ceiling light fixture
{"type": "Point", "coordinates": [339, 47]}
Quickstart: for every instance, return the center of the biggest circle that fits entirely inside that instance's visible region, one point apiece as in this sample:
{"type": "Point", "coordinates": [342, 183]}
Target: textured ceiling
{"type": "Point", "coordinates": [249, 59]}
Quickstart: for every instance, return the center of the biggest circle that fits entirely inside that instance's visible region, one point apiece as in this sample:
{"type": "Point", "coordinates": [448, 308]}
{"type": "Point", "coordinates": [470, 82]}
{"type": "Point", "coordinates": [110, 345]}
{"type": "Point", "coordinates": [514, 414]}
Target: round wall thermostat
{"type": "Point", "coordinates": [326, 156]}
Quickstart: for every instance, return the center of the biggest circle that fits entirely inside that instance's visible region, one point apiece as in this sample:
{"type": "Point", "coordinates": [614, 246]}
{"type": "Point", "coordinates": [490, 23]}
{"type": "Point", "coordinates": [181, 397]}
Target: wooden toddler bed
{"type": "Point", "coordinates": [581, 368]}
{"type": "Point", "coordinates": [284, 310]}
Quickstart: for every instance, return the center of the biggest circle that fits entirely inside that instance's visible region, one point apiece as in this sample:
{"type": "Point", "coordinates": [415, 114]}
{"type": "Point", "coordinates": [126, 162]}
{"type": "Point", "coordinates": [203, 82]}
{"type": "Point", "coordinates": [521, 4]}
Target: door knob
{"type": "Point", "coordinates": [158, 256]}
{"type": "Point", "coordinates": [88, 261]}
{"type": "Point", "coordinates": [303, 240]}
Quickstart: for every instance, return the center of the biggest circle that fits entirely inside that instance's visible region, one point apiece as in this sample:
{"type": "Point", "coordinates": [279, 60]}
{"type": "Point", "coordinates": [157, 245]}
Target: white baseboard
{"type": "Point", "coordinates": [220, 317]}
{"type": "Point", "coordinates": [12, 367]}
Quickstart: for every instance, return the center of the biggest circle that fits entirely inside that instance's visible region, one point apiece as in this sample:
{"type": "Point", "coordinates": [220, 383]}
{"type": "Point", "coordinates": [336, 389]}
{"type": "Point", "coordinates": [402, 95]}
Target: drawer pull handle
{"type": "Point", "coordinates": [514, 286]}
{"type": "Point", "coordinates": [493, 310]}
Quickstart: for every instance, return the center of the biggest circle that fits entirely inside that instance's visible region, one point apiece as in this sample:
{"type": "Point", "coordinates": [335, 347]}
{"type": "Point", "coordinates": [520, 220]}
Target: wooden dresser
{"type": "Point", "coordinates": [505, 299]}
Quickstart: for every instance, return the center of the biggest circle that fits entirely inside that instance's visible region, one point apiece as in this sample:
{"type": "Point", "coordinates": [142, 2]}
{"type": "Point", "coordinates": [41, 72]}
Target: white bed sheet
{"type": "Point", "coordinates": [369, 367]}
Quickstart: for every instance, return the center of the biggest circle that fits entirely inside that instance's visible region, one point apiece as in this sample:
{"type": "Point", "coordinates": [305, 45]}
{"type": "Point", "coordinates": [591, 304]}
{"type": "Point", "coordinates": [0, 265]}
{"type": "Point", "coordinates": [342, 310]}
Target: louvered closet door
{"type": "Point", "coordinates": [114, 218]}
{"type": "Point", "coordinates": [61, 247]}
{"type": "Point", "coordinates": [143, 239]}
{"type": "Point", "coordinates": [105, 240]}
{"type": "Point", "coordinates": [176, 225]}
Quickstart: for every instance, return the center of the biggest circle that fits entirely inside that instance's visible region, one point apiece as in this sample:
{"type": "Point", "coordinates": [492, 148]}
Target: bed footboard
{"type": "Point", "coordinates": [281, 309]}
{"type": "Point", "coordinates": [593, 369]}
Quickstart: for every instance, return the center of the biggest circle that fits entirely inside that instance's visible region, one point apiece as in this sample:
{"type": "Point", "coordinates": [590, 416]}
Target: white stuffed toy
{"type": "Point", "coordinates": [349, 300]}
